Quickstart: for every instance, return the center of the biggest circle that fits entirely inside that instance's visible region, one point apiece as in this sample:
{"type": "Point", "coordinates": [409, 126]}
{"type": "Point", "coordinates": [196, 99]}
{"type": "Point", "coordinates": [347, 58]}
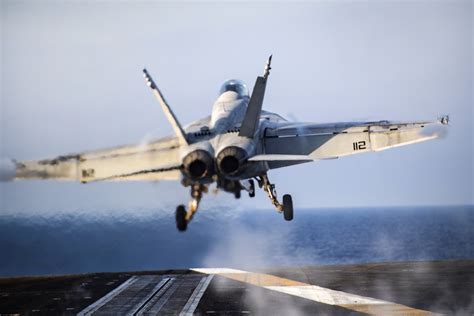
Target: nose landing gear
{"type": "Point", "coordinates": [286, 207]}
{"type": "Point", "coordinates": [183, 217]}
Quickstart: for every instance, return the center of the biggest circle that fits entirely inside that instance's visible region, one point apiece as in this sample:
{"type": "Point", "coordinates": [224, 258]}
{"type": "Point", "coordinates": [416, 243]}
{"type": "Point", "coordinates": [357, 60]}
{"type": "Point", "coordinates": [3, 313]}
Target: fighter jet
{"type": "Point", "coordinates": [237, 144]}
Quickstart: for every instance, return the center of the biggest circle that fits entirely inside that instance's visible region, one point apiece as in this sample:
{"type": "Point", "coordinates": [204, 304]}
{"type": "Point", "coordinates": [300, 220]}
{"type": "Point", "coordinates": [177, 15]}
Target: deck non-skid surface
{"type": "Point", "coordinates": [404, 288]}
{"type": "Point", "coordinates": [151, 295]}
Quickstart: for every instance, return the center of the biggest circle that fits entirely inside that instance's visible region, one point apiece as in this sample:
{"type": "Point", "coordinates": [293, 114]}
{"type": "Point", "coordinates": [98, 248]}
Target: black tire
{"type": "Point", "coordinates": [287, 207]}
{"type": "Point", "coordinates": [252, 189]}
{"type": "Point", "coordinates": [181, 222]}
{"type": "Point", "coordinates": [237, 194]}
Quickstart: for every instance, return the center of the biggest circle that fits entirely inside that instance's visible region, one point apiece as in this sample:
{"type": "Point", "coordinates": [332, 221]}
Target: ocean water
{"type": "Point", "coordinates": [131, 240]}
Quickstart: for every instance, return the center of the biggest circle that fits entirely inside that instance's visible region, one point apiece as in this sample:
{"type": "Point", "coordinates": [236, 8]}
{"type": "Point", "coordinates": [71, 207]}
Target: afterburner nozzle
{"type": "Point", "coordinates": [231, 159]}
{"type": "Point", "coordinates": [198, 164]}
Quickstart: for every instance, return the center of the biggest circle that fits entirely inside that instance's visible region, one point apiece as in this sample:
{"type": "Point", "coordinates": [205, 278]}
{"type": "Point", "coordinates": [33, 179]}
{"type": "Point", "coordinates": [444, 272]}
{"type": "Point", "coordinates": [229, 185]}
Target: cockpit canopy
{"type": "Point", "coordinates": [235, 85]}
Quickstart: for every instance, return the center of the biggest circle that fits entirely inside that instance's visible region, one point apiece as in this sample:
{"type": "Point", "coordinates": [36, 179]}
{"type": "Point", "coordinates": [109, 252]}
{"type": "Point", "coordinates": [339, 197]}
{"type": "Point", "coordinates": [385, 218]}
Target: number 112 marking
{"type": "Point", "coordinates": [359, 145]}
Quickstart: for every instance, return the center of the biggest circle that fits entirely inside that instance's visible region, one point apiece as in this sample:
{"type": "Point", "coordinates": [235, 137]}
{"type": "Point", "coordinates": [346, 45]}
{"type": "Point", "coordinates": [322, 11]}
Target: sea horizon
{"type": "Point", "coordinates": [146, 239]}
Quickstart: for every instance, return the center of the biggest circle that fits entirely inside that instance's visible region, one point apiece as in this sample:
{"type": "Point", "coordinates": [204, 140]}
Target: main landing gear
{"type": "Point", "coordinates": [183, 217]}
{"type": "Point", "coordinates": [249, 186]}
{"type": "Point", "coordinates": [286, 207]}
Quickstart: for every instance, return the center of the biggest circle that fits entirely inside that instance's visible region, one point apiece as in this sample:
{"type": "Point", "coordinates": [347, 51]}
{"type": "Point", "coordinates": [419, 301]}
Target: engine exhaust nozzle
{"type": "Point", "coordinates": [198, 164]}
{"type": "Point", "coordinates": [230, 160]}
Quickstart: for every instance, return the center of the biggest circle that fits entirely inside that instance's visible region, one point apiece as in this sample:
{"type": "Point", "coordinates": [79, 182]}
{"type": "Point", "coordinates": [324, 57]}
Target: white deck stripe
{"type": "Point", "coordinates": [217, 270]}
{"type": "Point", "coordinates": [139, 306]}
{"type": "Point", "coordinates": [318, 294]}
{"type": "Point", "coordinates": [193, 301]}
{"type": "Point", "coordinates": [107, 298]}
{"type": "Point", "coordinates": [324, 295]}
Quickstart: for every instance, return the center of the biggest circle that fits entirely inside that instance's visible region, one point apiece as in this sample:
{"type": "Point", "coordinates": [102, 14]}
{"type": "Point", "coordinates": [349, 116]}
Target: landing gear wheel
{"type": "Point", "coordinates": [181, 222]}
{"type": "Point", "coordinates": [252, 189]}
{"type": "Point", "coordinates": [237, 194]}
{"type": "Point", "coordinates": [287, 207]}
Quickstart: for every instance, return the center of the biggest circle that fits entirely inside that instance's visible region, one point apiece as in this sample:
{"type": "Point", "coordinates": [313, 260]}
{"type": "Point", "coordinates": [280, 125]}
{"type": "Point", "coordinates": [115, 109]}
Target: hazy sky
{"type": "Point", "coordinates": [71, 81]}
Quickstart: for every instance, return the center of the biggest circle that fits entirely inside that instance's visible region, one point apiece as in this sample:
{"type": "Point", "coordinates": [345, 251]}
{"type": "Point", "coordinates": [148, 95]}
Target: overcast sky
{"type": "Point", "coordinates": [71, 81]}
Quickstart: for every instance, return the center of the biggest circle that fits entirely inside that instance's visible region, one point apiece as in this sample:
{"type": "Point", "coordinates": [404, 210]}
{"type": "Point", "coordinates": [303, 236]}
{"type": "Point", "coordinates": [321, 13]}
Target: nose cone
{"type": "Point", "coordinates": [231, 159]}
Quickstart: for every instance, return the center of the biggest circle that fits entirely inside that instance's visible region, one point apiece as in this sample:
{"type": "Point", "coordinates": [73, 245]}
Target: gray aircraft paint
{"type": "Point", "coordinates": [277, 143]}
{"type": "Point", "coordinates": [72, 82]}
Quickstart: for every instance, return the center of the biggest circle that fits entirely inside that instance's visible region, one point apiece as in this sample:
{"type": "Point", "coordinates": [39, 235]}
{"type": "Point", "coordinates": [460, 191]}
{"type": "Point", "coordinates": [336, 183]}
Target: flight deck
{"type": "Point", "coordinates": [399, 288]}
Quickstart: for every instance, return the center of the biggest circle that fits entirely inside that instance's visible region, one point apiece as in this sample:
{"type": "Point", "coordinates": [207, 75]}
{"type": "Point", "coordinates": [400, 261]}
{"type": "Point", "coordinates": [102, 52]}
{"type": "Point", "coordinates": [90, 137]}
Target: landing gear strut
{"type": "Point", "coordinates": [183, 217]}
{"type": "Point", "coordinates": [286, 207]}
{"type": "Point", "coordinates": [249, 186]}
{"type": "Point", "coordinates": [252, 189]}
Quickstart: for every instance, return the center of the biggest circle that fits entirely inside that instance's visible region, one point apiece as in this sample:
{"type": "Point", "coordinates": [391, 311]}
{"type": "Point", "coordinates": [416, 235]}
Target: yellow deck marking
{"type": "Point", "coordinates": [316, 293]}
{"type": "Point", "coordinates": [388, 309]}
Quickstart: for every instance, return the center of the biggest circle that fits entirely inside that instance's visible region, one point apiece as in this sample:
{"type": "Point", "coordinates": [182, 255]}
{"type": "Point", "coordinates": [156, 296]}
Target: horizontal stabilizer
{"type": "Point", "coordinates": [281, 158]}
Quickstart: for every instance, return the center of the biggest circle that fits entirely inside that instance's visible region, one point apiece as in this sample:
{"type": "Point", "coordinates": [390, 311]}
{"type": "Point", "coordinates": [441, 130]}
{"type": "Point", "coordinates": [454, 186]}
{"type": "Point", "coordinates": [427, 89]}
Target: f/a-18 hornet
{"type": "Point", "coordinates": [237, 143]}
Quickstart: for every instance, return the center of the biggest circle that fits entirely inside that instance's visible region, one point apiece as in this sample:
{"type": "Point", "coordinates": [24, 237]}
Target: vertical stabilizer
{"type": "Point", "coordinates": [178, 129]}
{"type": "Point", "coordinates": [254, 108]}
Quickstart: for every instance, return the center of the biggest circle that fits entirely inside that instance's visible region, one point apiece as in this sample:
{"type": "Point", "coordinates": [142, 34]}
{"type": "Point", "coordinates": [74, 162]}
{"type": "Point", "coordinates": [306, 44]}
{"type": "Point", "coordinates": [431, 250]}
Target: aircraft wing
{"type": "Point", "coordinates": [157, 160]}
{"type": "Point", "coordinates": [290, 143]}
